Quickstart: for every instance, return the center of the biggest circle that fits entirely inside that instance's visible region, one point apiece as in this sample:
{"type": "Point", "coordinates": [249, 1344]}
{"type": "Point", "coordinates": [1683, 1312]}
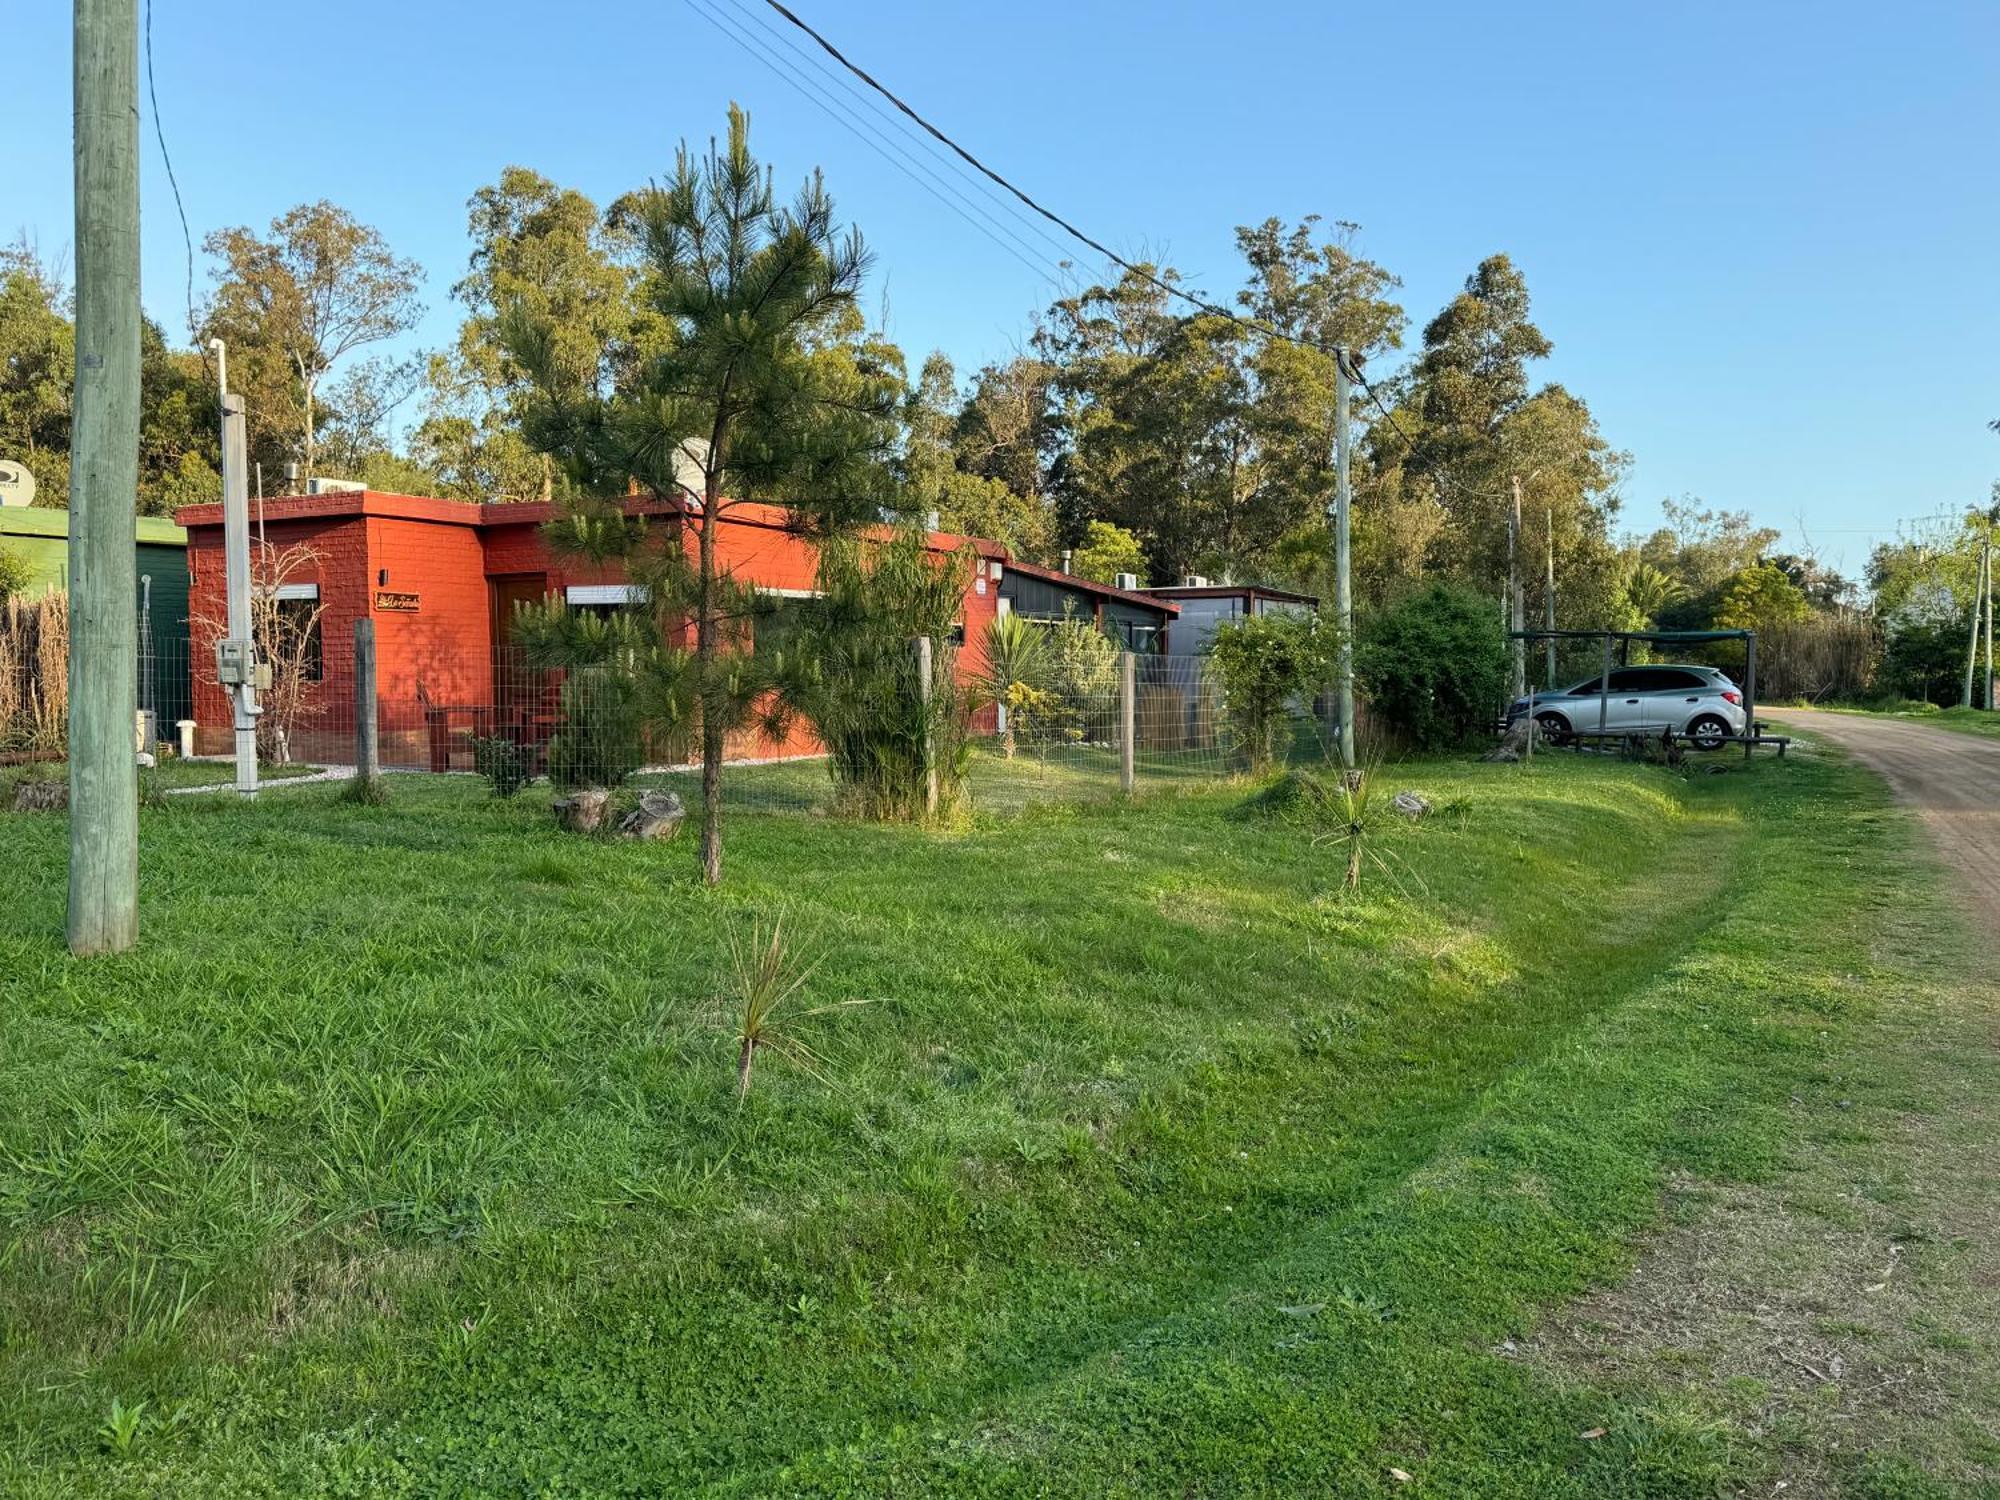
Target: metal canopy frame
{"type": "Point", "coordinates": [1625, 638]}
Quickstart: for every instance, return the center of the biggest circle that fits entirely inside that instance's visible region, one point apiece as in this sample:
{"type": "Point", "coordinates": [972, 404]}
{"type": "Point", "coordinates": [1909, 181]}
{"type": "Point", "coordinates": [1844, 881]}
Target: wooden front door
{"type": "Point", "coordinates": [517, 691]}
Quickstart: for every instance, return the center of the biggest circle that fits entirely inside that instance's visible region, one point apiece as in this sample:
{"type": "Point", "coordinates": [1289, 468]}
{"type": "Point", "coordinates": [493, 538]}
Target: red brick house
{"type": "Point", "coordinates": [441, 577]}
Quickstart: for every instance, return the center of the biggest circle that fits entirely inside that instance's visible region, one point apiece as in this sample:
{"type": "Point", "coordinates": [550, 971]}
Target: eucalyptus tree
{"type": "Point", "coordinates": [548, 251]}
{"type": "Point", "coordinates": [293, 303]}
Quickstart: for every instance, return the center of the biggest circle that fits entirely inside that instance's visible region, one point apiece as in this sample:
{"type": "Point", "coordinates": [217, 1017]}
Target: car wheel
{"type": "Point", "coordinates": [1555, 728]}
{"type": "Point", "coordinates": [1710, 732]}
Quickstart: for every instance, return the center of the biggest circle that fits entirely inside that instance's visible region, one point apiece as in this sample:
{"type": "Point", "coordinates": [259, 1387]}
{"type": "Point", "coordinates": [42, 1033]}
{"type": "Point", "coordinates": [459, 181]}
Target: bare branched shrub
{"type": "Point", "coordinates": [287, 636]}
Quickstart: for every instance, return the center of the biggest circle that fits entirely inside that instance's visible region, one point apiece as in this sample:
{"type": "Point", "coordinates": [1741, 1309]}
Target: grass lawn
{"type": "Point", "coordinates": [164, 777]}
{"type": "Point", "coordinates": [995, 784]}
{"type": "Point", "coordinates": [404, 1157]}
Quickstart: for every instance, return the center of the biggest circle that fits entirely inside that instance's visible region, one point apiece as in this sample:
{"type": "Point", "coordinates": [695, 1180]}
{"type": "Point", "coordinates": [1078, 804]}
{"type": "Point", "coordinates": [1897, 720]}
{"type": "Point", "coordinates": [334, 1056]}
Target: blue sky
{"type": "Point", "coordinates": [1764, 237]}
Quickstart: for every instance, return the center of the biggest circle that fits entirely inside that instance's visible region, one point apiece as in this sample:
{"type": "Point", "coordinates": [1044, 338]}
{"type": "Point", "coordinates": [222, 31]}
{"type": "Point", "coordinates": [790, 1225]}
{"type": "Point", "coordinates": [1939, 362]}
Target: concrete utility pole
{"type": "Point", "coordinates": [1516, 599]}
{"type": "Point", "coordinates": [1343, 505]}
{"type": "Point", "coordinates": [104, 479]}
{"type": "Point", "coordinates": [236, 666]}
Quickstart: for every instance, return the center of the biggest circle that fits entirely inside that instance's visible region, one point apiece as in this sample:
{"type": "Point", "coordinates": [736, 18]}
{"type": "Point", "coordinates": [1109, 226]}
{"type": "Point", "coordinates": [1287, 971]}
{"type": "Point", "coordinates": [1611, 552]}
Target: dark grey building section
{"type": "Point", "coordinates": [1137, 621]}
{"type": "Point", "coordinates": [1207, 606]}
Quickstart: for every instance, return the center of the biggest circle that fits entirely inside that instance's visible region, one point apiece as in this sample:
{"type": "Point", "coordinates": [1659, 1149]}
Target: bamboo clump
{"type": "Point", "coordinates": [34, 673]}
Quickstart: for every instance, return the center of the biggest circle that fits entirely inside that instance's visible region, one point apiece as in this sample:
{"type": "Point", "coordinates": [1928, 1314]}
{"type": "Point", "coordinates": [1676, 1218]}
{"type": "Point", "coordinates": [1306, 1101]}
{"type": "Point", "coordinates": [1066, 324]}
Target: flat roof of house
{"type": "Point", "coordinates": [49, 521]}
{"type": "Point", "coordinates": [335, 503]}
{"type": "Point", "coordinates": [1233, 591]}
{"type": "Point", "coordinates": [1091, 586]}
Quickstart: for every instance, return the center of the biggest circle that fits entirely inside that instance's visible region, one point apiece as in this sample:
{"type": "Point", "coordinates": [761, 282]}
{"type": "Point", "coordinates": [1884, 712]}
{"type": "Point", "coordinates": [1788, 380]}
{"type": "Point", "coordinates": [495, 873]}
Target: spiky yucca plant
{"type": "Point", "coordinates": [767, 978]}
{"type": "Point", "coordinates": [1358, 811]}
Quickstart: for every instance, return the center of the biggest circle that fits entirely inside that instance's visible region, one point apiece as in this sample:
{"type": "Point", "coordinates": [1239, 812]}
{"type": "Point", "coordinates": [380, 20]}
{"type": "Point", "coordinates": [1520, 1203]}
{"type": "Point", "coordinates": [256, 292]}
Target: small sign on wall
{"type": "Point", "coordinates": [394, 602]}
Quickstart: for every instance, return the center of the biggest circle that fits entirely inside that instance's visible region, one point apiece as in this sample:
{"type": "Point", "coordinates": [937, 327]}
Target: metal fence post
{"type": "Point", "coordinates": [1750, 695]}
{"type": "Point", "coordinates": [1128, 717]}
{"type": "Point", "coordinates": [1604, 693]}
{"type": "Point", "coordinates": [930, 739]}
{"type": "Point", "coordinates": [367, 757]}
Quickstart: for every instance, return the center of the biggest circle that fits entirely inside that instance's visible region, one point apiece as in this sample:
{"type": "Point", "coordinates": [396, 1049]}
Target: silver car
{"type": "Point", "coordinates": [1699, 702]}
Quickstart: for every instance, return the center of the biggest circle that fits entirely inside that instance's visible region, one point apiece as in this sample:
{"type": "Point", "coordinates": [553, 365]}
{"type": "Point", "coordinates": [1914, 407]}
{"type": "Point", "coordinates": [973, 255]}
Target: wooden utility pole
{"type": "Point", "coordinates": [104, 479]}
{"type": "Point", "coordinates": [1516, 609]}
{"type": "Point", "coordinates": [1986, 567]}
{"type": "Point", "coordinates": [1982, 583]}
{"type": "Point", "coordinates": [1343, 505]}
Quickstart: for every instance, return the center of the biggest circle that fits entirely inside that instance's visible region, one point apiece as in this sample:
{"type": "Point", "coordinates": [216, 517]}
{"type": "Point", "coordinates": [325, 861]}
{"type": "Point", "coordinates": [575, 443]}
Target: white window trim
{"type": "Point", "coordinates": [286, 591]}
{"type": "Point", "coordinates": [605, 593]}
{"type": "Point", "coordinates": [770, 593]}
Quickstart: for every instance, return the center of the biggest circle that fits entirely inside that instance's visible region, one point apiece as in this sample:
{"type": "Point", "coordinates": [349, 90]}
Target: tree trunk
{"type": "Point", "coordinates": [306, 382]}
{"type": "Point", "coordinates": [711, 688]}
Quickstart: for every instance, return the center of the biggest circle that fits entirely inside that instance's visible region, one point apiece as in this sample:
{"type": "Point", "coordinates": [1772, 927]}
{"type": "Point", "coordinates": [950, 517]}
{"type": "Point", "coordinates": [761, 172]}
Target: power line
{"type": "Point", "coordinates": [998, 235]}
{"type": "Point", "coordinates": [897, 129]}
{"type": "Point", "coordinates": [1256, 325]}
{"type": "Point", "coordinates": [160, 134]}
{"type": "Point", "coordinates": [1054, 218]}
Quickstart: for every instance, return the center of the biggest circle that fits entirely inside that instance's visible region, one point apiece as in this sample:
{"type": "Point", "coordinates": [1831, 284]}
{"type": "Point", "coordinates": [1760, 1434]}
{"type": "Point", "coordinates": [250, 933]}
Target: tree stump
{"type": "Point", "coordinates": [658, 816]}
{"type": "Point", "coordinates": [41, 796]}
{"type": "Point", "coordinates": [1514, 743]}
{"type": "Point", "coordinates": [581, 811]}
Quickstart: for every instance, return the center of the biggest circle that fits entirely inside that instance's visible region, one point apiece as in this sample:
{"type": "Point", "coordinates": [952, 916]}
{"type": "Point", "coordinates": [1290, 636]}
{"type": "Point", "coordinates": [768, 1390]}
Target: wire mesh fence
{"type": "Point", "coordinates": [914, 734]}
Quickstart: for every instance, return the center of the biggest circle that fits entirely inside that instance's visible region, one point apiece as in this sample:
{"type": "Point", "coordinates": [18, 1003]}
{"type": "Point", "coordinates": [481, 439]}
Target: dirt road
{"type": "Point", "coordinates": [1952, 781]}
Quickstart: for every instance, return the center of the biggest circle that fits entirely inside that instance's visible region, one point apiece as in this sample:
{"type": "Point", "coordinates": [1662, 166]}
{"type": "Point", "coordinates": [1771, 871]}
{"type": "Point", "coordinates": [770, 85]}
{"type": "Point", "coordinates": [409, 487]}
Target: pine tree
{"type": "Point", "coordinates": [761, 388]}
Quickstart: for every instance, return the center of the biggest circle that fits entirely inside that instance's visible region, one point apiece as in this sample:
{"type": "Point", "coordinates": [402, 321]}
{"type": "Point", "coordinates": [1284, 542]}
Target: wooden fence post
{"type": "Point", "coordinates": [367, 756]}
{"type": "Point", "coordinates": [930, 738]}
{"type": "Point", "coordinates": [1128, 717]}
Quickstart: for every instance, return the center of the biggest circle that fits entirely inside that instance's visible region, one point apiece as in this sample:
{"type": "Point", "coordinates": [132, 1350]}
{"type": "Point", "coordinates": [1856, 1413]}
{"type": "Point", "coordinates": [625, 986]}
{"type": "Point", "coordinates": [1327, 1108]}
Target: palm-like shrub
{"type": "Point", "coordinates": [1015, 673]}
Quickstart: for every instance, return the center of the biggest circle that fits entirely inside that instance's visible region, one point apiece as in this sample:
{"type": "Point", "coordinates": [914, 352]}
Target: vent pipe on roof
{"type": "Point", "coordinates": [691, 466]}
{"type": "Point", "coordinates": [1066, 557]}
{"type": "Point", "coordinates": [930, 520]}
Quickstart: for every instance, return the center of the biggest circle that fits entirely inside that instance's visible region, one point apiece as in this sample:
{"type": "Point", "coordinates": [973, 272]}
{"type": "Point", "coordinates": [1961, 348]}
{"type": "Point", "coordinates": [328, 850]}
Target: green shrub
{"type": "Point", "coordinates": [1079, 700]}
{"type": "Point", "coordinates": [1296, 796]}
{"type": "Point", "coordinates": [601, 740]}
{"type": "Point", "coordinates": [1434, 665]}
{"type": "Point", "coordinates": [15, 574]}
{"type": "Point", "coordinates": [847, 666]}
{"type": "Point", "coordinates": [502, 762]}
{"type": "Point", "coordinates": [1270, 667]}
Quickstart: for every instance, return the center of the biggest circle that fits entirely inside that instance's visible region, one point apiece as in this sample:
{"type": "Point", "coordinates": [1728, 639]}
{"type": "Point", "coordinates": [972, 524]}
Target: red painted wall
{"type": "Point", "coordinates": [447, 554]}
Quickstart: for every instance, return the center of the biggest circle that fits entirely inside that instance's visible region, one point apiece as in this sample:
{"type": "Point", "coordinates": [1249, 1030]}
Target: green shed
{"type": "Point", "coordinates": [40, 537]}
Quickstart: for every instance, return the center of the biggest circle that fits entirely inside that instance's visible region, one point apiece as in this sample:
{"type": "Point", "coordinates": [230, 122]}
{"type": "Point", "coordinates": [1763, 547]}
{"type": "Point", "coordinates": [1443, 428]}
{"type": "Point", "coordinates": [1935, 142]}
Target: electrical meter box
{"type": "Point", "coordinates": [235, 663]}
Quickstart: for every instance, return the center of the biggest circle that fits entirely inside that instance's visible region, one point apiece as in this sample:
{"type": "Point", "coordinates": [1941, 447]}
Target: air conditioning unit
{"type": "Point", "coordinates": [1194, 581]}
{"type": "Point", "coordinates": [321, 485]}
{"type": "Point", "coordinates": [1125, 580]}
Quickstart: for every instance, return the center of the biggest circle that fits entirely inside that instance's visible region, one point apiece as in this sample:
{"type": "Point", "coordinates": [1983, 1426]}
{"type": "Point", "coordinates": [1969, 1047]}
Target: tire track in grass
{"type": "Point", "coordinates": [1659, 924]}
